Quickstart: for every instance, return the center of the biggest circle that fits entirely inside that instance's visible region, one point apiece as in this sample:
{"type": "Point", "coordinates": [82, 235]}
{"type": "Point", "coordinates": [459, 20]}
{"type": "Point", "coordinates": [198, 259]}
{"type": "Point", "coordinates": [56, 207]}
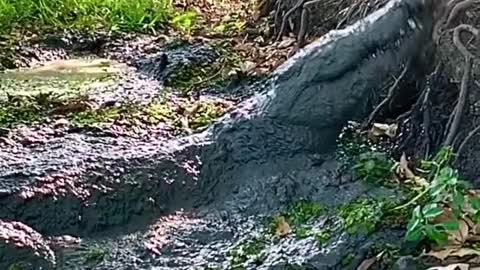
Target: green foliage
{"type": "Point", "coordinates": [444, 189]}
{"type": "Point", "coordinates": [363, 215]}
{"type": "Point", "coordinates": [251, 249]}
{"type": "Point", "coordinates": [124, 15]}
{"type": "Point", "coordinates": [16, 266]}
{"type": "Point", "coordinates": [303, 211]}
{"type": "Point", "coordinates": [185, 21]}
{"type": "Point", "coordinates": [95, 255]}
{"type": "Point", "coordinates": [373, 167]}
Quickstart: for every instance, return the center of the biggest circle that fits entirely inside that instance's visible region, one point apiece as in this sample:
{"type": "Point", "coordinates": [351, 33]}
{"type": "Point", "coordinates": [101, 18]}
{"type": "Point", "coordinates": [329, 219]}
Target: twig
{"type": "Point", "coordinates": [462, 97]}
{"type": "Point", "coordinates": [390, 94]}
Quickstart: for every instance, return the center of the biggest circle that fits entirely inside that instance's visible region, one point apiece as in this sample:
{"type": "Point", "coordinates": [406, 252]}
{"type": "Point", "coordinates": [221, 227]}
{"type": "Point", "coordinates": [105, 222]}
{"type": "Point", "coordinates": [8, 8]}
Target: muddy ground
{"type": "Point", "coordinates": [81, 187]}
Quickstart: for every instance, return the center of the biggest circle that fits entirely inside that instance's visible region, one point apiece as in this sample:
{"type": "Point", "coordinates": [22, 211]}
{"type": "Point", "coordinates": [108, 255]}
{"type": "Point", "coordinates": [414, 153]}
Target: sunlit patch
{"type": "Point", "coordinates": [163, 231]}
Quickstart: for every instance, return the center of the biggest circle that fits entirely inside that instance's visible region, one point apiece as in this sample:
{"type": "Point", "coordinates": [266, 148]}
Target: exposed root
{"type": "Point", "coordinates": [391, 92]}
{"type": "Point", "coordinates": [285, 18]}
{"type": "Point", "coordinates": [303, 24]}
{"type": "Point", "coordinates": [462, 98]}
{"type": "Point", "coordinates": [331, 10]}
{"type": "Point", "coordinates": [466, 140]}
{"type": "Point", "coordinates": [449, 13]}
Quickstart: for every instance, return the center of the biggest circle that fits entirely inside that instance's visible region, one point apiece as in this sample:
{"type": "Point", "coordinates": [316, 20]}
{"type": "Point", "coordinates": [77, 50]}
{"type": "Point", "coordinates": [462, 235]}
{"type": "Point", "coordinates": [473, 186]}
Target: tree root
{"type": "Point", "coordinates": [462, 98]}
{"type": "Point", "coordinates": [391, 92]}
{"type": "Point", "coordinates": [449, 13]}
{"type": "Point", "coordinates": [466, 140]}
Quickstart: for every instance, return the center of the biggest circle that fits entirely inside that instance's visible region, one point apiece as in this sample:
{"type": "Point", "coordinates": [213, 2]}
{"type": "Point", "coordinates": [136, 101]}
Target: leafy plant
{"type": "Point", "coordinates": [442, 203]}
{"type": "Point", "coordinates": [373, 167]}
{"type": "Point", "coordinates": [421, 224]}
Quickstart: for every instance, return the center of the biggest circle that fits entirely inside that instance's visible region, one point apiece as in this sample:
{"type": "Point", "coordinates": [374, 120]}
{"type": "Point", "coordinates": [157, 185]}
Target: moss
{"type": "Point", "coordinates": [252, 249]}
{"type": "Point", "coordinates": [363, 215]}
{"type": "Point", "coordinates": [210, 74]}
{"type": "Point", "coordinates": [16, 266]}
{"type": "Point", "coordinates": [298, 215]}
{"type": "Point", "coordinates": [206, 114]}
{"type": "Point", "coordinates": [348, 260]}
{"type": "Point", "coordinates": [95, 255]}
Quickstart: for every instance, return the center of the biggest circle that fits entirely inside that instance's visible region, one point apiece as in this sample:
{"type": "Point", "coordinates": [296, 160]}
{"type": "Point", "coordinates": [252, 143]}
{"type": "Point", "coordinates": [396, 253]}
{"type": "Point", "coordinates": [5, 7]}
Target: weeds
{"type": "Point", "coordinates": [442, 203]}
{"type": "Point", "coordinates": [363, 215]}
{"type": "Point", "coordinates": [373, 167]}
{"type": "Point", "coordinates": [90, 15]}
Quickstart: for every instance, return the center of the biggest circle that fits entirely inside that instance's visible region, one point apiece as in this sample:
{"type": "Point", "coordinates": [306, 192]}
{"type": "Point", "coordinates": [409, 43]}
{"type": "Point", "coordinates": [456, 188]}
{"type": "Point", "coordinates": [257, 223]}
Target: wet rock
{"type": "Point", "coordinates": [20, 244]}
{"type": "Point", "coordinates": [406, 263]}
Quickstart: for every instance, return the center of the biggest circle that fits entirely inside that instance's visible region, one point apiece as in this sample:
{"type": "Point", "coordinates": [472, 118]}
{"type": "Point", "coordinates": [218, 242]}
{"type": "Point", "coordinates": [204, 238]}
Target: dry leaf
{"type": "Point", "coordinates": [465, 252]}
{"type": "Point", "coordinates": [404, 165]}
{"type": "Point", "coordinates": [286, 43]}
{"type": "Point", "coordinates": [457, 266]}
{"type": "Point", "coordinates": [366, 264]}
{"type": "Point", "coordinates": [442, 254]}
{"type": "Point", "coordinates": [378, 130]}
{"type": "Point", "coordinates": [460, 236]}
{"type": "Point", "coordinates": [283, 228]}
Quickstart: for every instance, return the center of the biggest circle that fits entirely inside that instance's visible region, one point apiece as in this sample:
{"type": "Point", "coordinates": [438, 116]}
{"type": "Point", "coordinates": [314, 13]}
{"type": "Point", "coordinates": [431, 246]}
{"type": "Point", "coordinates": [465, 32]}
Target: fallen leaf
{"type": "Point", "coordinates": [460, 236]}
{"type": "Point", "coordinates": [378, 130]}
{"type": "Point", "coordinates": [283, 228]}
{"type": "Point", "coordinates": [366, 264]}
{"type": "Point", "coordinates": [443, 253]}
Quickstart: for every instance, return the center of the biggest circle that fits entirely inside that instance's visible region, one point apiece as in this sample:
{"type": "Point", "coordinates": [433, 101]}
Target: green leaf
{"type": "Point", "coordinates": [436, 190]}
{"type": "Point", "coordinates": [436, 235]}
{"type": "Point", "coordinates": [431, 211]}
{"type": "Point", "coordinates": [413, 224]}
{"type": "Point", "coordinates": [415, 235]}
{"type": "Point", "coordinates": [449, 226]}
{"type": "Point", "coordinates": [475, 203]}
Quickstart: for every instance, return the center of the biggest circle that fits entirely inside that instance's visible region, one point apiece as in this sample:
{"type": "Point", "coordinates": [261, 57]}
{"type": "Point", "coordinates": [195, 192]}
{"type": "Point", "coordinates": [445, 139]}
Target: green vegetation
{"type": "Point", "coordinates": [373, 167]}
{"type": "Point", "coordinates": [122, 15]}
{"type": "Point", "coordinates": [16, 266]}
{"type": "Point", "coordinates": [441, 204]}
{"type": "Point", "coordinates": [95, 255]}
{"type": "Point", "coordinates": [363, 215]}
{"type": "Point", "coordinates": [250, 250]}
{"type": "Point", "coordinates": [208, 74]}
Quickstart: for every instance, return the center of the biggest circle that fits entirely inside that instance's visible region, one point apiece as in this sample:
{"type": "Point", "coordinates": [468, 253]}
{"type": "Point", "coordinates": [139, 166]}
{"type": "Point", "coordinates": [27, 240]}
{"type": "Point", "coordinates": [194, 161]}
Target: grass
{"type": "Point", "coordinates": [115, 15]}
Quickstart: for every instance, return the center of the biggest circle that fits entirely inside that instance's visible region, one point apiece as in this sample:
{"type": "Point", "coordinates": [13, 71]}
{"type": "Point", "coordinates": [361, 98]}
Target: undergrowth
{"type": "Point", "coordinates": [122, 15]}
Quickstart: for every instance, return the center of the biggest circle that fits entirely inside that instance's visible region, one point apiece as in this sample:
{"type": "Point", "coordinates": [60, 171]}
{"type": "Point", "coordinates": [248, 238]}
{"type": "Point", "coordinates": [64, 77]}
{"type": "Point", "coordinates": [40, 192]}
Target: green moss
{"type": "Point", "coordinates": [303, 211]}
{"type": "Point", "coordinates": [16, 266]}
{"type": "Point", "coordinates": [95, 255]}
{"type": "Point", "coordinates": [363, 215]}
{"type": "Point", "coordinates": [213, 74]}
{"type": "Point", "coordinates": [252, 249]}
{"type": "Point", "coordinates": [206, 114]}
{"type": "Point", "coordinates": [323, 236]}
{"type": "Point", "coordinates": [348, 260]}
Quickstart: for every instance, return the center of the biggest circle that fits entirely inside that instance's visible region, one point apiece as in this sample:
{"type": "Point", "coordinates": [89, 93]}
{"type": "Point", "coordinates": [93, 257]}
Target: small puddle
{"type": "Point", "coordinates": [71, 69]}
{"type": "Point", "coordinates": [72, 76]}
